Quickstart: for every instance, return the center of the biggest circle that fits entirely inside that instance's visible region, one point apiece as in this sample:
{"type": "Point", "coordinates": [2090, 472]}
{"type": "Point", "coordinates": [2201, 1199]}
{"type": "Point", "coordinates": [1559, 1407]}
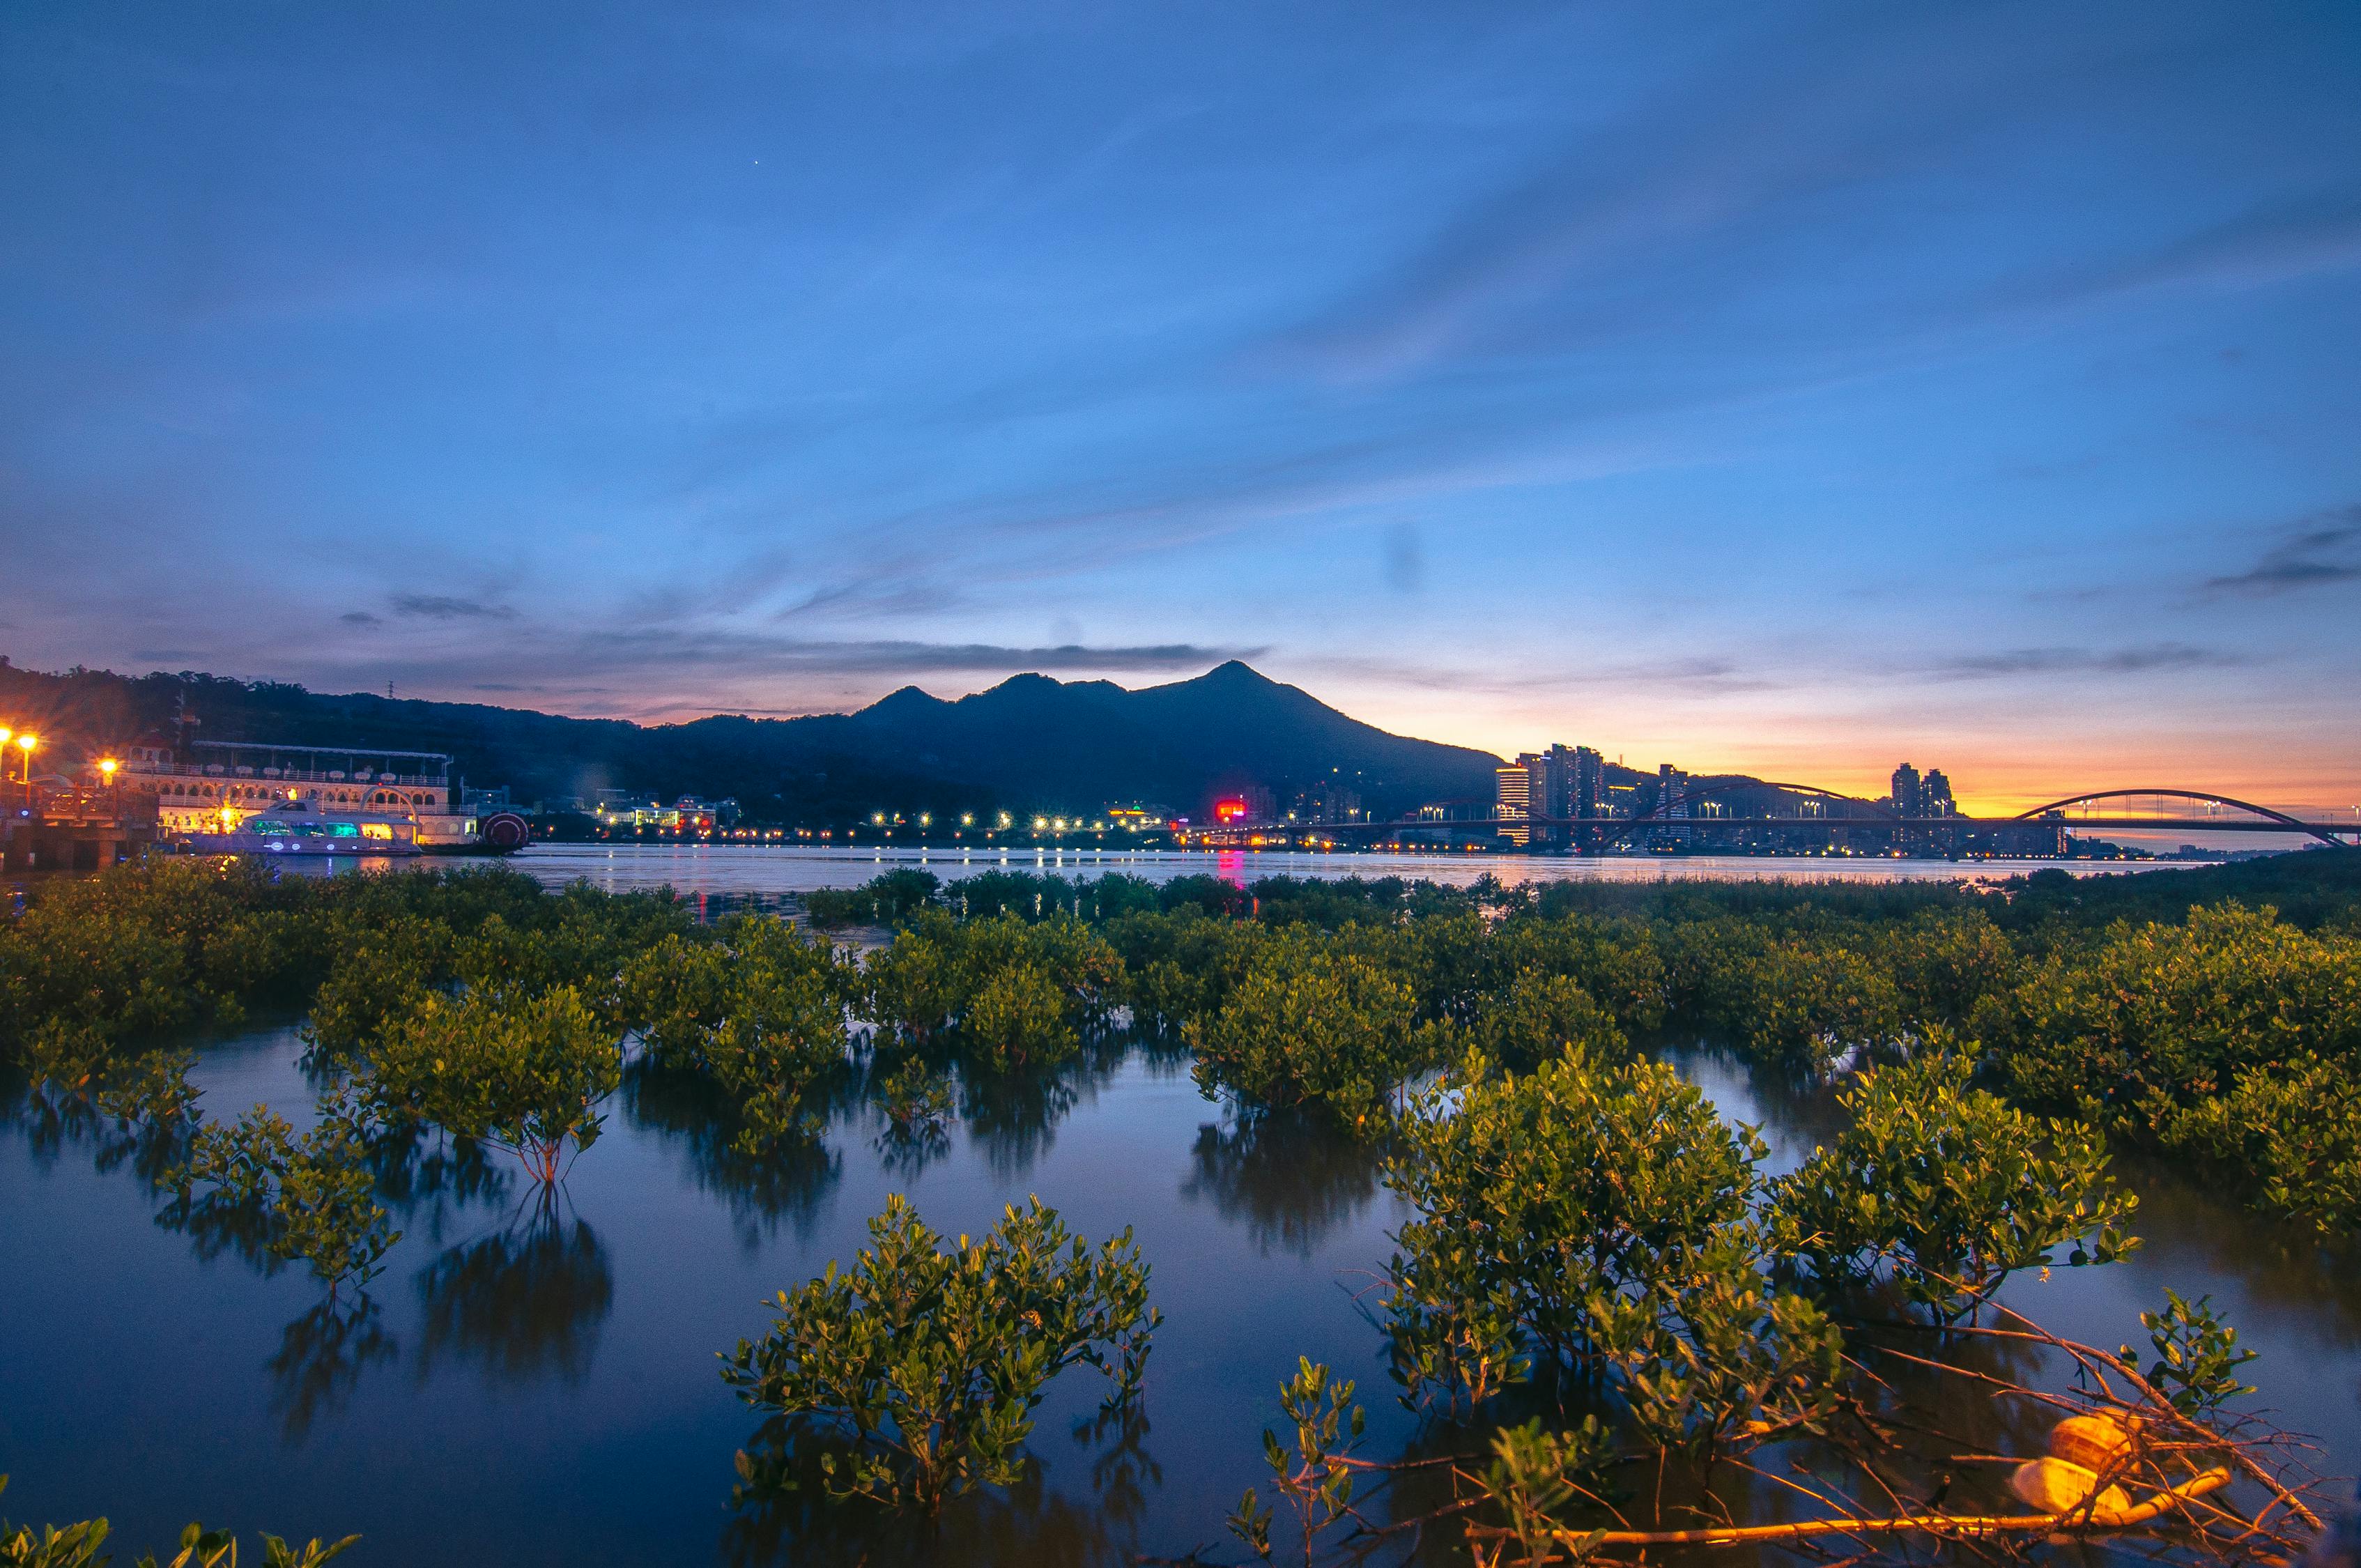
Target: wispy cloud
{"type": "Point", "coordinates": [2325, 549]}
{"type": "Point", "coordinates": [2022, 662]}
{"type": "Point", "coordinates": [441, 606]}
{"type": "Point", "coordinates": [1701, 675]}
{"type": "Point", "coordinates": [750, 655]}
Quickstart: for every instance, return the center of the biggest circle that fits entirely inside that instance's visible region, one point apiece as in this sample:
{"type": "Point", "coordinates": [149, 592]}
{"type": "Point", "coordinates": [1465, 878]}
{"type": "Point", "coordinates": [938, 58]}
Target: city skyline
{"type": "Point", "coordinates": [1785, 393]}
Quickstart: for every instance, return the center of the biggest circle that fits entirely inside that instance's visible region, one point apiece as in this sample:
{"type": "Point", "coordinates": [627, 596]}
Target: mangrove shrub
{"type": "Point", "coordinates": [918, 1370]}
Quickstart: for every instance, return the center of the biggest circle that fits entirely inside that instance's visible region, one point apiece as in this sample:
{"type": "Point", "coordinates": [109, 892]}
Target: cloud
{"type": "Point", "coordinates": [729, 666]}
{"type": "Point", "coordinates": [765, 655]}
{"type": "Point", "coordinates": [2263, 246]}
{"type": "Point", "coordinates": [2018, 661]}
{"type": "Point", "coordinates": [440, 607]}
{"type": "Point", "coordinates": [361, 618]}
{"type": "Point", "coordinates": [1708, 676]}
{"type": "Point", "coordinates": [2324, 549]}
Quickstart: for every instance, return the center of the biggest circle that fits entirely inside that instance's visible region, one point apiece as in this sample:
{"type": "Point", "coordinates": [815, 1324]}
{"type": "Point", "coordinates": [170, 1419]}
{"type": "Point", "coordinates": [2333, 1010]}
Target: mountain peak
{"type": "Point", "coordinates": [907, 702]}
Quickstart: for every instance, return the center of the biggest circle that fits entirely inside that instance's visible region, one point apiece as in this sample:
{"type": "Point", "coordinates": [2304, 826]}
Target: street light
{"type": "Point", "coordinates": [107, 766]}
{"type": "Point", "coordinates": [26, 744]}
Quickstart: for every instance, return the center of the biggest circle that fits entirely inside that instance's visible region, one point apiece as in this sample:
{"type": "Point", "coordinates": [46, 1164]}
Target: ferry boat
{"type": "Point", "coordinates": [232, 797]}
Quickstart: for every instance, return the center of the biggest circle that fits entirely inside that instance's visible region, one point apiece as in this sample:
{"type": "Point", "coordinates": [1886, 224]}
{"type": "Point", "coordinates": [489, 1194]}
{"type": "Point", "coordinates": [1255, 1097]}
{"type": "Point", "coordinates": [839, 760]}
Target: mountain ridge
{"type": "Point", "coordinates": [1029, 741]}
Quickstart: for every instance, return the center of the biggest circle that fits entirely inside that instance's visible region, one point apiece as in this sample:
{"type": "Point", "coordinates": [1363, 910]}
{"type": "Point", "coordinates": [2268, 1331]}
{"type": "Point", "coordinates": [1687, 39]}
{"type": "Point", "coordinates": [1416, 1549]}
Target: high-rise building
{"type": "Point", "coordinates": [1589, 793]}
{"type": "Point", "coordinates": [1909, 794]}
{"type": "Point", "coordinates": [1672, 791]}
{"type": "Point", "coordinates": [1935, 795]}
{"type": "Point", "coordinates": [1512, 799]}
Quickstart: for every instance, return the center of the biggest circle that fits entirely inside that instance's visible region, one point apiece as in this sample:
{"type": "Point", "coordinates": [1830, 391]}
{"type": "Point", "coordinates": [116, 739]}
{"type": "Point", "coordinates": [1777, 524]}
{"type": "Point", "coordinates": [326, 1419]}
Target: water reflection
{"type": "Point", "coordinates": [432, 1180]}
{"type": "Point", "coordinates": [1290, 1176]}
{"type": "Point", "coordinates": [321, 1357]}
{"type": "Point", "coordinates": [1012, 1118]}
{"type": "Point", "coordinates": [53, 1123]}
{"type": "Point", "coordinates": [1122, 1470]}
{"type": "Point", "coordinates": [789, 1184]}
{"type": "Point", "coordinates": [521, 1305]}
{"type": "Point", "coordinates": [914, 1103]}
{"type": "Point", "coordinates": [1030, 1523]}
{"type": "Point", "coordinates": [2290, 1280]}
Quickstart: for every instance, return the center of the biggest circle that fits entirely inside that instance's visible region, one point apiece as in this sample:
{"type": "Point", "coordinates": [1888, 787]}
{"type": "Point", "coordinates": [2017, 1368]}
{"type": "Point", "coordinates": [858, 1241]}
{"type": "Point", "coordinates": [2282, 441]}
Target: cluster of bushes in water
{"type": "Point", "coordinates": [1583, 1222]}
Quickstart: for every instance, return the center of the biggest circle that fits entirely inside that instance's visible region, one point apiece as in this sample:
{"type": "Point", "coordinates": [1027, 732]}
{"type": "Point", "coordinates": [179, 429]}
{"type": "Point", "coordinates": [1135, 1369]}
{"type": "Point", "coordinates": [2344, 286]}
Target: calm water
{"type": "Point", "coordinates": [731, 869]}
{"type": "Point", "coordinates": [542, 1388]}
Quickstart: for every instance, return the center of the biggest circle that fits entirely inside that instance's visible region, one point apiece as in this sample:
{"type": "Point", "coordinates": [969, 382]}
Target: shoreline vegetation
{"type": "Point", "coordinates": [1619, 1333]}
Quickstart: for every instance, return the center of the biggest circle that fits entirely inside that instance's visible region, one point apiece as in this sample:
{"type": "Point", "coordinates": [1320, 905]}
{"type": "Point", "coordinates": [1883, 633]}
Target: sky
{"type": "Point", "coordinates": [1787, 389]}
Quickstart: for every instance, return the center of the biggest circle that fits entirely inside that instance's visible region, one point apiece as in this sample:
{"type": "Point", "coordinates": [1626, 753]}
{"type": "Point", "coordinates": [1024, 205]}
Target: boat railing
{"type": "Point", "coordinates": [291, 775]}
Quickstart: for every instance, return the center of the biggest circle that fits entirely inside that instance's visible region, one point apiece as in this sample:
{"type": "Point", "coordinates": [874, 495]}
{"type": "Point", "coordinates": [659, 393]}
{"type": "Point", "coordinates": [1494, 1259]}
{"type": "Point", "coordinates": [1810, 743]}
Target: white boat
{"type": "Point", "coordinates": [292, 833]}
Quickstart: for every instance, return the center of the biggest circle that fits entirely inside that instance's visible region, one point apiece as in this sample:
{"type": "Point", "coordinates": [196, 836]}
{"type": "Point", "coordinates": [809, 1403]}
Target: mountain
{"type": "Point", "coordinates": [1030, 744]}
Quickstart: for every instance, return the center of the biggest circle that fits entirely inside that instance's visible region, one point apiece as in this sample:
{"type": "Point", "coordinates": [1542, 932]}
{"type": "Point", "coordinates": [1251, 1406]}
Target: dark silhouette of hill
{"type": "Point", "coordinates": [1030, 744]}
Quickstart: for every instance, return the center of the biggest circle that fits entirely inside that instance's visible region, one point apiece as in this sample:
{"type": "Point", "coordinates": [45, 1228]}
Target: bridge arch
{"type": "Point", "coordinates": [2293, 826]}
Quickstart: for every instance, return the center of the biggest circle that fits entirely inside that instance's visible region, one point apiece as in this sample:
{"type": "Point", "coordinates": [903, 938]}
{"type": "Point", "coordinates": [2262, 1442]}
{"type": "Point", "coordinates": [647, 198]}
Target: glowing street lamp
{"type": "Point", "coordinates": [107, 766]}
{"type": "Point", "coordinates": [27, 743]}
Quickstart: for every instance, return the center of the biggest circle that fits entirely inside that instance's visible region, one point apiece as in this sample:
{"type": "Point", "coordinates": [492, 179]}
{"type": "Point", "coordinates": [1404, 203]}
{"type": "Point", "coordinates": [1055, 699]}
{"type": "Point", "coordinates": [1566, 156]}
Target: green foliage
{"type": "Point", "coordinates": [1596, 1214]}
{"type": "Point", "coordinates": [2288, 1136]}
{"type": "Point", "coordinates": [148, 1090]}
{"type": "Point", "coordinates": [2161, 1017]}
{"type": "Point", "coordinates": [760, 1009]}
{"type": "Point", "coordinates": [386, 973]}
{"type": "Point", "coordinates": [312, 1197]}
{"type": "Point", "coordinates": [1793, 1002]}
{"type": "Point", "coordinates": [1006, 991]}
{"type": "Point", "coordinates": [1705, 1350]}
{"type": "Point", "coordinates": [78, 1546]}
{"type": "Point", "coordinates": [913, 1095]}
{"type": "Point", "coordinates": [140, 949]}
{"type": "Point", "coordinates": [1536, 1475]}
{"type": "Point", "coordinates": [1314, 1476]}
{"type": "Point", "coordinates": [1947, 1188]}
{"type": "Point", "coordinates": [2197, 1355]}
{"type": "Point", "coordinates": [1016, 1018]}
{"type": "Point", "coordinates": [1310, 1024]}
{"type": "Point", "coordinates": [918, 1370]}
{"type": "Point", "coordinates": [884, 900]}
{"type": "Point", "coordinates": [1539, 1016]}
{"type": "Point", "coordinates": [526, 1075]}
{"type": "Point", "coordinates": [1181, 965]}
{"type": "Point", "coordinates": [1617, 962]}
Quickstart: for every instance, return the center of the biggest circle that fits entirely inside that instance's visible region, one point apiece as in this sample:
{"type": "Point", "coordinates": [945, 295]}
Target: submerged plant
{"type": "Point", "coordinates": [1948, 1190]}
{"type": "Point", "coordinates": [524, 1074]}
{"type": "Point", "coordinates": [2197, 1355]}
{"type": "Point", "coordinates": [146, 1090]}
{"type": "Point", "coordinates": [1594, 1214]}
{"type": "Point", "coordinates": [312, 1197]}
{"type": "Point", "coordinates": [77, 1546]}
{"type": "Point", "coordinates": [916, 1370]}
{"type": "Point", "coordinates": [759, 1010]}
{"type": "Point", "coordinates": [1315, 1477]}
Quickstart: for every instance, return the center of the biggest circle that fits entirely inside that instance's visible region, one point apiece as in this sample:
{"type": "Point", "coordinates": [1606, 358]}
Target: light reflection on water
{"type": "Point", "coordinates": [730, 868]}
{"type": "Point", "coordinates": [539, 1382]}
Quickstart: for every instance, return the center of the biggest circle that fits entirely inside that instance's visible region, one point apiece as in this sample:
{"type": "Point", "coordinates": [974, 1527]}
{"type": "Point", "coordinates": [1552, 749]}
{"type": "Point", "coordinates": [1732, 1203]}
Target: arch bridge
{"type": "Point", "coordinates": [1830, 808]}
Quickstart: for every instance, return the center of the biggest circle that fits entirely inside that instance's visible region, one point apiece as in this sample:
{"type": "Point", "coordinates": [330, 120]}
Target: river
{"type": "Point", "coordinates": [539, 1386]}
{"type": "Point", "coordinates": [722, 870]}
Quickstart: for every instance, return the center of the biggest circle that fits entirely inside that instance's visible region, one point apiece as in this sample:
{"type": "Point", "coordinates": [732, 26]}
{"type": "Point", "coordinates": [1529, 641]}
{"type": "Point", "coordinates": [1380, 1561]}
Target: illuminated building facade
{"type": "Point", "coordinates": [210, 786]}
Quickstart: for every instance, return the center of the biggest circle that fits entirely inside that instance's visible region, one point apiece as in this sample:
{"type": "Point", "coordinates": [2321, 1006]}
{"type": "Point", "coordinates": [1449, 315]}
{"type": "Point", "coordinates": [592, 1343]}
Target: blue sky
{"type": "Point", "coordinates": [1787, 388]}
